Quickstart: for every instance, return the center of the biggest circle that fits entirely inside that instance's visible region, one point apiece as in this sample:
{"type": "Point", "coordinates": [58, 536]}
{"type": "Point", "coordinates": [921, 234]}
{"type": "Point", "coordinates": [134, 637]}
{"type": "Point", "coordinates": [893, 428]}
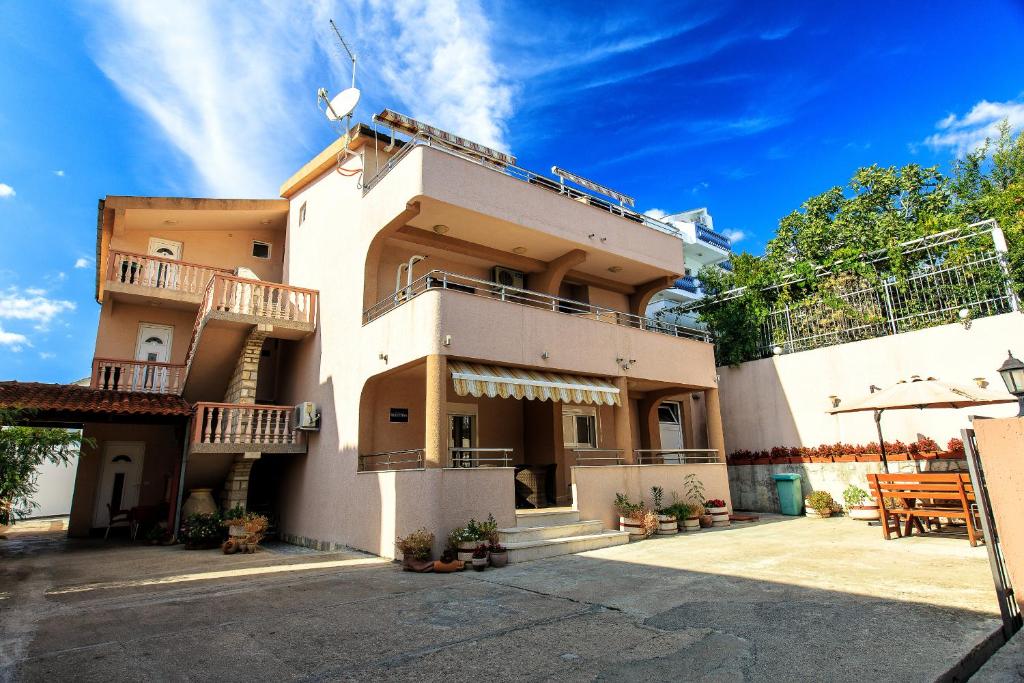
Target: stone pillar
{"type": "Point", "coordinates": [623, 428]}
{"type": "Point", "coordinates": [435, 441]}
{"type": "Point", "coordinates": [242, 387]}
{"type": "Point", "coordinates": [686, 409]}
{"type": "Point", "coordinates": [236, 487]}
{"type": "Point", "coordinates": [716, 438]}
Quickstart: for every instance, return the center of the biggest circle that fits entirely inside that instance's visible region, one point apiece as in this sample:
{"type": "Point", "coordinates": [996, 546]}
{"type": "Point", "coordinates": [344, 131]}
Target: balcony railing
{"type": "Point", "coordinates": [249, 426]}
{"type": "Point", "coordinates": [479, 457]}
{"type": "Point", "coordinates": [385, 461]}
{"type": "Point", "coordinates": [676, 456]}
{"type": "Point", "coordinates": [526, 176]}
{"type": "Point", "coordinates": [137, 376]}
{"type": "Point", "coordinates": [598, 456]}
{"type": "Point", "coordinates": [713, 238]}
{"type": "Point", "coordinates": [156, 272]}
{"type": "Point", "coordinates": [688, 283]}
{"type": "Point", "coordinates": [439, 279]}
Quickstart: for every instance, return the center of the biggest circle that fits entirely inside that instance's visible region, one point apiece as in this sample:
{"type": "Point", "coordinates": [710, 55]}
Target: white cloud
{"type": "Point", "coordinates": [13, 341]}
{"type": "Point", "coordinates": [6, 191]}
{"type": "Point", "coordinates": [82, 263]}
{"type": "Point", "coordinates": [734, 235]}
{"type": "Point", "coordinates": [59, 173]}
{"type": "Point", "coordinates": [656, 214]}
{"type": "Point", "coordinates": [233, 91]}
{"type": "Point", "coordinates": [968, 132]}
{"type": "Point", "coordinates": [46, 355]}
{"type": "Point", "coordinates": [31, 304]}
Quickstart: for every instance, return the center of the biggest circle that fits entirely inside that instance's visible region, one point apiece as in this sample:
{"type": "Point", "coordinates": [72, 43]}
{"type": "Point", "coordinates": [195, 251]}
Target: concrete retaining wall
{"type": "Point", "coordinates": [753, 487]}
{"type": "Point", "coordinates": [783, 401]}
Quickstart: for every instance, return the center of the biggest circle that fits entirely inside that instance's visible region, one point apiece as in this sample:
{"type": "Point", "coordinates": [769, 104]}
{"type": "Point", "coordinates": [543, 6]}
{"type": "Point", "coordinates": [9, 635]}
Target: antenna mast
{"type": "Point", "coordinates": [351, 55]}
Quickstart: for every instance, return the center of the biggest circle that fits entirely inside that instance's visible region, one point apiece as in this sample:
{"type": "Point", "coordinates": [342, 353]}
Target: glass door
{"type": "Point", "coordinates": [462, 435]}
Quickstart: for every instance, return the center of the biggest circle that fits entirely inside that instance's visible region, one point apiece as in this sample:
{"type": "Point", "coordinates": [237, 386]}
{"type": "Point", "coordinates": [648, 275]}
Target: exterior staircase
{"type": "Point", "coordinates": [549, 532]}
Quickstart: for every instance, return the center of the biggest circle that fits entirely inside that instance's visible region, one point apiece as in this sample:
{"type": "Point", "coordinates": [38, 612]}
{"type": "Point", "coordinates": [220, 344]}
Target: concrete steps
{"type": "Point", "coordinates": [555, 531]}
{"type": "Point", "coordinates": [527, 551]}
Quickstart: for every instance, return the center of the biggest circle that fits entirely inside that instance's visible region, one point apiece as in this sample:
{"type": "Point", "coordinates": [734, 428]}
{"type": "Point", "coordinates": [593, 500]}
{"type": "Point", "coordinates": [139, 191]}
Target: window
{"type": "Point", "coordinates": [579, 427]}
{"type": "Point", "coordinates": [260, 250]}
{"type": "Point", "coordinates": [302, 213]}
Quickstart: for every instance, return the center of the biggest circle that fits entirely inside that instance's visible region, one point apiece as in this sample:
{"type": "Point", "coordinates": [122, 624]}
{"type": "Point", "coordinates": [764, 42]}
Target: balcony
{"type": "Point", "coordinates": [137, 277]}
{"type": "Point", "coordinates": [233, 428]}
{"type": "Point", "coordinates": [230, 309]}
{"type": "Point", "coordinates": [688, 283]}
{"type": "Point", "coordinates": [713, 238]}
{"type": "Point", "coordinates": [451, 314]}
{"type": "Point", "coordinates": [444, 280]}
{"type": "Point", "coordinates": [137, 376]}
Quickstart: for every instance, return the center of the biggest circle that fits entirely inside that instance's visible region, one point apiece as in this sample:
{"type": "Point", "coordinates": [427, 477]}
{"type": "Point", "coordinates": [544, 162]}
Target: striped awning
{"type": "Point", "coordinates": [494, 381]}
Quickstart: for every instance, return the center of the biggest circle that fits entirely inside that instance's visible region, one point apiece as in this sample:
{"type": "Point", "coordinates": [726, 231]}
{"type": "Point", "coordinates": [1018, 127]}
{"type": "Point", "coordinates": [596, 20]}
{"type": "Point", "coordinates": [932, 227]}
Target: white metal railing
{"type": "Point", "coordinates": [143, 270]}
{"type": "Point", "coordinates": [439, 279]}
{"type": "Point", "coordinates": [954, 275]}
{"type": "Point", "coordinates": [243, 425]}
{"type": "Point", "coordinates": [598, 456]}
{"type": "Point", "coordinates": [137, 376]}
{"type": "Point", "coordinates": [479, 457]}
{"type": "Point", "coordinates": [524, 175]}
{"type": "Point", "coordinates": [408, 459]}
{"type": "Point", "coordinates": [676, 456]}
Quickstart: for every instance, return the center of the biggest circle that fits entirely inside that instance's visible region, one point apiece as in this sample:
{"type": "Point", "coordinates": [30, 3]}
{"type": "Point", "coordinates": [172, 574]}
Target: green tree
{"type": "Point", "coordinates": [22, 451]}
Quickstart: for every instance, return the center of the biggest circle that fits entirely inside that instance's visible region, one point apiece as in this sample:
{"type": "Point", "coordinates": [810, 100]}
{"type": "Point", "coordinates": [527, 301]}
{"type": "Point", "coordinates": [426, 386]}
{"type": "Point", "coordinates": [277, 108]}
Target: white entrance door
{"type": "Point", "coordinates": [120, 479]}
{"type": "Point", "coordinates": [670, 425]}
{"type": "Point", "coordinates": [164, 274]}
{"type": "Point", "coordinates": [154, 345]}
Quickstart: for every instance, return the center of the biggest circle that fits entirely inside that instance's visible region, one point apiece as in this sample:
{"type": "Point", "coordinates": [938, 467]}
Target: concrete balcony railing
{"type": "Point", "coordinates": [137, 376]}
{"type": "Point", "coordinates": [235, 428]}
{"type": "Point", "coordinates": [145, 275]}
{"type": "Point", "coordinates": [269, 301]}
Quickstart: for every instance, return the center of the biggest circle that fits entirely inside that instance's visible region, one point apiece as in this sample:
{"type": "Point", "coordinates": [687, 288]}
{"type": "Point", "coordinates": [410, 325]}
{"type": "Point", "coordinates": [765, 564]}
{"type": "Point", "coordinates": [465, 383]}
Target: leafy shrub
{"type": "Point", "coordinates": [854, 495]}
{"type": "Point", "coordinates": [417, 545]}
{"type": "Point", "coordinates": [821, 502]}
{"type": "Point", "coordinates": [201, 530]}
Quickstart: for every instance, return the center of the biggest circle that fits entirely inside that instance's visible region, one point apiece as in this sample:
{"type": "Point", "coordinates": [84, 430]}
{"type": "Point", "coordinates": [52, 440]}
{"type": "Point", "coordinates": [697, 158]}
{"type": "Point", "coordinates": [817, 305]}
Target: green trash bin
{"type": "Point", "coordinates": [791, 498]}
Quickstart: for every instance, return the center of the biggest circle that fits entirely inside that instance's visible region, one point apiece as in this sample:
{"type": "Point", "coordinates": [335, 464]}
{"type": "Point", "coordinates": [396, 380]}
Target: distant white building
{"type": "Point", "coordinates": [702, 246]}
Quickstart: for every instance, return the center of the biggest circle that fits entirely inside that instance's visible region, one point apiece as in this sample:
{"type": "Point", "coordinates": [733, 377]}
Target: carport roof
{"type": "Point", "coordinates": [61, 401]}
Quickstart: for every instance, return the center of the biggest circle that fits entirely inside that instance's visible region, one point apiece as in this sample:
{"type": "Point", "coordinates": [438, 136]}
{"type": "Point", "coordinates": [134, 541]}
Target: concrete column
{"type": "Point", "coordinates": [716, 437]}
{"type": "Point", "coordinates": [623, 428]}
{"type": "Point", "coordinates": [550, 279]}
{"type": "Point", "coordinates": [686, 406]}
{"type": "Point", "coordinates": [650, 432]}
{"type": "Point", "coordinates": [435, 440]}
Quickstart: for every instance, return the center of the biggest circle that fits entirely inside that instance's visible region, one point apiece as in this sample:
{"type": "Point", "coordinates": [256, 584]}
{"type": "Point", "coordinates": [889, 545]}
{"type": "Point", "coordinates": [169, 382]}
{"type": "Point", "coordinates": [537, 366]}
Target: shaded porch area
{"type": "Point", "coordinates": [444, 412]}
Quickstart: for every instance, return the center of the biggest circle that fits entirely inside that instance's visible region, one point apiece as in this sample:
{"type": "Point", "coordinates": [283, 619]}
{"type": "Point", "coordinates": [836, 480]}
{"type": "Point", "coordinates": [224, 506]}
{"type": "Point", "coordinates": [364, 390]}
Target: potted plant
{"type": "Point", "coordinates": [820, 504]}
{"type": "Point", "coordinates": [683, 512]}
{"type": "Point", "coordinates": [463, 541]}
{"type": "Point", "coordinates": [416, 548]}
{"type": "Point", "coordinates": [448, 563]}
{"type": "Point", "coordinates": [694, 492]}
{"type": "Point", "coordinates": [631, 516]}
{"type": "Point", "coordinates": [498, 554]}
{"type": "Point", "coordinates": [479, 559]}
{"type": "Point", "coordinates": [667, 525]}
{"type": "Point", "coordinates": [718, 510]}
{"type": "Point", "coordinates": [856, 507]}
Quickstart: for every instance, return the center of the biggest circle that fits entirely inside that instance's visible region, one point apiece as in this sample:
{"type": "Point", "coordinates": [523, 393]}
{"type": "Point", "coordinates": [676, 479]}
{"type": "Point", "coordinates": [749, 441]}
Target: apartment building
{"type": "Point", "coordinates": [474, 337]}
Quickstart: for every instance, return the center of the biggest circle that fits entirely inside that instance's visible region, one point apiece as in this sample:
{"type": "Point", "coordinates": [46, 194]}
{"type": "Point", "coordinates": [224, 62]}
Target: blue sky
{"type": "Point", "coordinates": [746, 108]}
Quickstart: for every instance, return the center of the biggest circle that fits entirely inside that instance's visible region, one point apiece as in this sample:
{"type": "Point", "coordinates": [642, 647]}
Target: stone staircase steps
{"type": "Point", "coordinates": [549, 517]}
{"type": "Point", "coordinates": [539, 533]}
{"type": "Point", "coordinates": [526, 551]}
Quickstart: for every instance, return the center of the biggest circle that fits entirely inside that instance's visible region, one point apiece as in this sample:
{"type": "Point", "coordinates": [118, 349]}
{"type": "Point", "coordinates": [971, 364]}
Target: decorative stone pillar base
{"type": "Point", "coordinates": [236, 487]}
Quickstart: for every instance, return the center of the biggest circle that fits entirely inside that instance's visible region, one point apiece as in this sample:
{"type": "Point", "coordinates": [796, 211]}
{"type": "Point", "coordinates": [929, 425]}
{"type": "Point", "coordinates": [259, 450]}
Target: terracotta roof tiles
{"type": "Point", "coordinates": [73, 398]}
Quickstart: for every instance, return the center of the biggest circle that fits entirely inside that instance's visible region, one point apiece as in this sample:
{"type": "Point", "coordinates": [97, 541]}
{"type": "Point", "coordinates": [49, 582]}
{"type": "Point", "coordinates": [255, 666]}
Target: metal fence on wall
{"type": "Point", "coordinates": [948, 277]}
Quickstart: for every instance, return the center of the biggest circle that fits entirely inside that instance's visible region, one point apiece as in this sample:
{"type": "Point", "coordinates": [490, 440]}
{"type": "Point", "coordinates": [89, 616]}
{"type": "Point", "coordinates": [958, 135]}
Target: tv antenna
{"type": "Point", "coordinates": [344, 103]}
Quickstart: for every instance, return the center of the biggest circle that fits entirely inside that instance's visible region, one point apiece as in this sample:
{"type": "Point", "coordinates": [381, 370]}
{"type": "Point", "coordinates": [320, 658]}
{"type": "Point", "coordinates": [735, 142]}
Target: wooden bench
{"type": "Point", "coordinates": [923, 496]}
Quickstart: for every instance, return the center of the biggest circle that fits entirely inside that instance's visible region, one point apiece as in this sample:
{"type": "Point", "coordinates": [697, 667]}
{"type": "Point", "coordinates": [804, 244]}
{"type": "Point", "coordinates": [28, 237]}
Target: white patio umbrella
{"type": "Point", "coordinates": [922, 393]}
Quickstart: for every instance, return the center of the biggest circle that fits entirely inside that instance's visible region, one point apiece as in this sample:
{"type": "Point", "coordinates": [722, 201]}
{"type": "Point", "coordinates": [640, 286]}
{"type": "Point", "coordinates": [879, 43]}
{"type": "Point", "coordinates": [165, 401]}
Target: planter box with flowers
{"type": "Point", "coordinates": [856, 505]}
{"type": "Point", "coordinates": [718, 510]}
{"type": "Point", "coordinates": [667, 524]}
{"type": "Point", "coordinates": [631, 517]}
{"type": "Point", "coordinates": [465, 540]}
{"type": "Point", "coordinates": [417, 549]}
{"type": "Point", "coordinates": [820, 504]}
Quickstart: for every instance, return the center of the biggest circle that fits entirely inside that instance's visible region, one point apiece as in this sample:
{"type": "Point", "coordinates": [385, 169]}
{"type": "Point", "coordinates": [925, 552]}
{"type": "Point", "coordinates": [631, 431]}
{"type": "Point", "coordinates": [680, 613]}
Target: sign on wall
{"type": "Point", "coordinates": [399, 415]}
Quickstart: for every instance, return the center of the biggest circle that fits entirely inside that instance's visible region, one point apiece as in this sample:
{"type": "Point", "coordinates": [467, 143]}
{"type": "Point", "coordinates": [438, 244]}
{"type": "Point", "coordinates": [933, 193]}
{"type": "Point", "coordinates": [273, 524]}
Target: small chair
{"type": "Point", "coordinates": [116, 518]}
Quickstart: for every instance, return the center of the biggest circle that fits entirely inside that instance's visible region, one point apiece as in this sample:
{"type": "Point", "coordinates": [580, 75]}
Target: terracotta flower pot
{"type": "Point", "coordinates": [448, 567]}
{"type": "Point", "coordinates": [411, 564]}
{"type": "Point", "coordinates": [498, 559]}
{"type": "Point", "coordinates": [706, 521]}
{"type": "Point", "coordinates": [479, 563]}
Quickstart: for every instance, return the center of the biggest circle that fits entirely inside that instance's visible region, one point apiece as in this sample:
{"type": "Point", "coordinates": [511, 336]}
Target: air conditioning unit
{"type": "Point", "coordinates": [508, 277]}
{"type": "Point", "coordinates": [307, 417]}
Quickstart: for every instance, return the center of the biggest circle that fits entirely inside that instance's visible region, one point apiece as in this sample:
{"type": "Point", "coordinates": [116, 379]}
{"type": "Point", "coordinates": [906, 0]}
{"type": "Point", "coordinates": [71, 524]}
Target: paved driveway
{"type": "Point", "coordinates": [792, 599]}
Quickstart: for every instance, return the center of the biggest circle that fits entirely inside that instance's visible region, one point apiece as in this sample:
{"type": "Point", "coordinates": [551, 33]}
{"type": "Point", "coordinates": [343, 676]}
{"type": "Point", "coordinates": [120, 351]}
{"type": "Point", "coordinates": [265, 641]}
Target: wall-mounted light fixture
{"type": "Point", "coordinates": [518, 250]}
{"type": "Point", "coordinates": [981, 382]}
{"type": "Point", "coordinates": [777, 350]}
{"type": "Point", "coordinates": [447, 340]}
{"type": "Point", "coordinates": [441, 229]}
{"type": "Point", "coordinates": [545, 355]}
{"type": "Point", "coordinates": [835, 400]}
{"type": "Point", "coordinates": [383, 357]}
{"type": "Point", "coordinates": [1012, 372]}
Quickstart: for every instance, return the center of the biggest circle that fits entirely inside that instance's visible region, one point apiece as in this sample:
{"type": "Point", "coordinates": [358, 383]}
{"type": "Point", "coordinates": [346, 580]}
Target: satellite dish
{"type": "Point", "coordinates": [342, 104]}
